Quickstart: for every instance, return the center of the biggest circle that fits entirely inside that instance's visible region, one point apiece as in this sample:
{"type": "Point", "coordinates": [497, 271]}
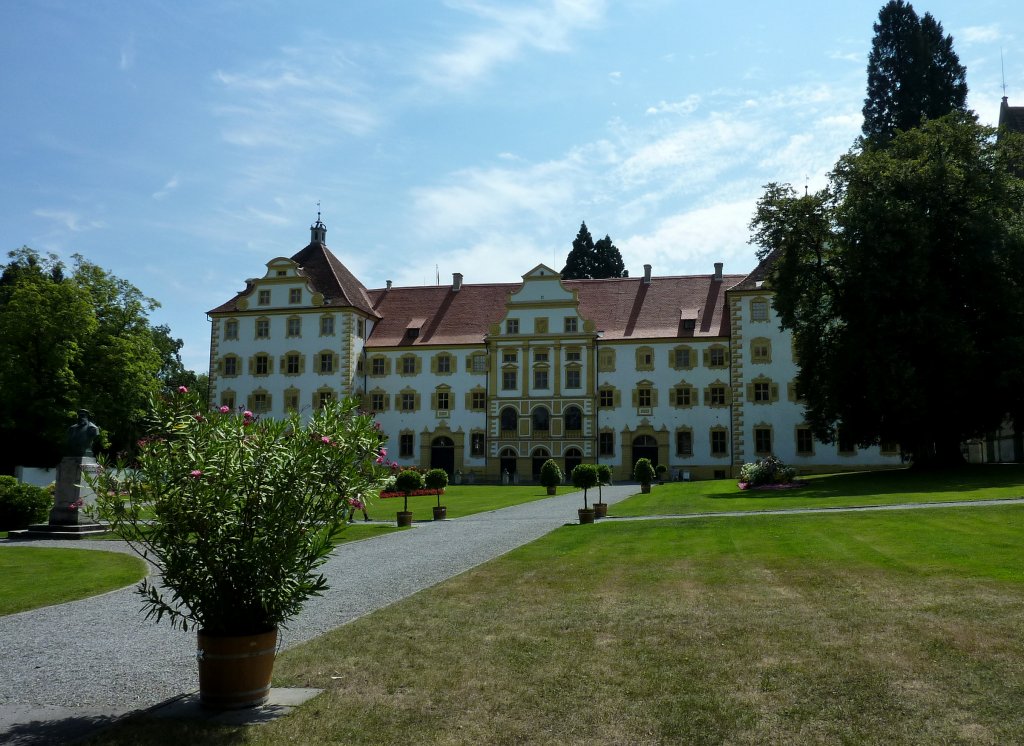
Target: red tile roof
{"type": "Point", "coordinates": [621, 309]}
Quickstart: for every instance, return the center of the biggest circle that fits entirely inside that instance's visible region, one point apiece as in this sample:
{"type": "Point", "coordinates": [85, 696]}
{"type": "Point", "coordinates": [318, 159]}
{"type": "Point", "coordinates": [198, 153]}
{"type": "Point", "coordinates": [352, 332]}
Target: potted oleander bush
{"type": "Point", "coordinates": [643, 472]}
{"type": "Point", "coordinates": [604, 476]}
{"type": "Point", "coordinates": [237, 513]}
{"type": "Point", "coordinates": [550, 475]}
{"type": "Point", "coordinates": [407, 482]}
{"type": "Point", "coordinates": [584, 476]}
{"type": "Point", "coordinates": [437, 480]}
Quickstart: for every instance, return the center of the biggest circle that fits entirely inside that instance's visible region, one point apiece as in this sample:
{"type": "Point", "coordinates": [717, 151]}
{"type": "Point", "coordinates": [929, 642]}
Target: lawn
{"type": "Point", "coordinates": [31, 577]}
{"type": "Point", "coordinates": [866, 628]}
{"type": "Point", "coordinates": [462, 500]}
{"type": "Point", "coordinates": [978, 482]}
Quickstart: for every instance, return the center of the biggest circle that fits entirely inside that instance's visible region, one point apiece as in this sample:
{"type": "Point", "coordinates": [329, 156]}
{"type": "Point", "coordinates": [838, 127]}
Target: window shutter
{"type": "Point", "coordinates": [433, 401]}
{"type": "Point", "coordinates": [249, 402]}
{"type": "Point", "coordinates": [775, 392]}
{"type": "Point", "coordinates": [750, 392]}
{"type": "Point", "coordinates": [673, 398]}
{"type": "Point", "coordinates": [654, 397]}
{"type": "Point", "coordinates": [707, 358]}
{"type": "Point", "coordinates": [617, 398]}
{"type": "Point", "coordinates": [636, 398]}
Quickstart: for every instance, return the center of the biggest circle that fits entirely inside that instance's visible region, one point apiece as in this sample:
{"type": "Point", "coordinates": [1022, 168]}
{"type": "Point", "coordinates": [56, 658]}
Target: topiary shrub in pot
{"type": "Point", "coordinates": [604, 476]}
{"type": "Point", "coordinates": [660, 470]}
{"type": "Point", "coordinates": [407, 482]}
{"type": "Point", "coordinates": [237, 513]}
{"type": "Point", "coordinates": [437, 480]}
{"type": "Point", "coordinates": [643, 472]}
{"type": "Point", "coordinates": [550, 475]}
{"type": "Point", "coordinates": [584, 476]}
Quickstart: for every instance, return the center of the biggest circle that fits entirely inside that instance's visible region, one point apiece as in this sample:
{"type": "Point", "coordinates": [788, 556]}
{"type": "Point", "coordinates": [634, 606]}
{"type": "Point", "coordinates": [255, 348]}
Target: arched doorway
{"type": "Point", "coordinates": [573, 458]}
{"type": "Point", "coordinates": [508, 459]}
{"type": "Point", "coordinates": [645, 446]}
{"type": "Point", "coordinates": [540, 455]}
{"type": "Point", "coordinates": [442, 454]}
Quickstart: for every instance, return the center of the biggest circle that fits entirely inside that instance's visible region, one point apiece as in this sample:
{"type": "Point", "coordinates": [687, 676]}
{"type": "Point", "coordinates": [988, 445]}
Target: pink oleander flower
{"type": "Point", "coordinates": [199, 418]}
{"type": "Point", "coordinates": [325, 439]}
{"type": "Point", "coordinates": [76, 504]}
{"type": "Point", "coordinates": [225, 409]}
{"type": "Point", "coordinates": [182, 389]}
{"type": "Point", "coordinates": [247, 414]}
{"type": "Point", "coordinates": [195, 473]}
{"type": "Point", "coordinates": [356, 503]}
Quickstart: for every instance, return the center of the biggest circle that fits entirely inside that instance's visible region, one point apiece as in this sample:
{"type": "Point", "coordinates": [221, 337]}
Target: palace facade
{"type": "Point", "coordinates": [490, 379]}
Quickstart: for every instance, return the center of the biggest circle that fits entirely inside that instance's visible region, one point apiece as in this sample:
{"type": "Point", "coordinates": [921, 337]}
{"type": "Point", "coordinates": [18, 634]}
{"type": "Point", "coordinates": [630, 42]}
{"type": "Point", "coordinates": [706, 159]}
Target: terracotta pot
{"type": "Point", "coordinates": [586, 515]}
{"type": "Point", "coordinates": [234, 671]}
{"type": "Point", "coordinates": [645, 488]}
{"type": "Point", "coordinates": [440, 512]}
{"type": "Point", "coordinates": [601, 510]}
{"type": "Point", "coordinates": [404, 517]}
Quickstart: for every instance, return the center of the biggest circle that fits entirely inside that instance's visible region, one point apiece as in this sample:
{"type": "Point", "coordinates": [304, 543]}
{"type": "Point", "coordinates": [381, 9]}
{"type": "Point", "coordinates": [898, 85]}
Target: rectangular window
{"type": "Point", "coordinates": [326, 362]}
{"type": "Point", "coordinates": [716, 355]}
{"type": "Point", "coordinates": [571, 325]}
{"type": "Point", "coordinates": [717, 396]}
{"type": "Point", "coordinates": [762, 440]}
{"type": "Point", "coordinates": [295, 295]}
{"type": "Point", "coordinates": [572, 378]}
{"type": "Point", "coordinates": [606, 398]}
{"type": "Point", "coordinates": [476, 444]}
{"type": "Point", "coordinates": [684, 396]}
{"type": "Point", "coordinates": [573, 356]}
{"type": "Point", "coordinates": [606, 444]}
{"type": "Point", "coordinates": [762, 391]}
{"type": "Point", "coordinates": [259, 403]}
{"type": "Point", "coordinates": [231, 366]}
{"type": "Point", "coordinates": [291, 401]}
{"type": "Point", "coordinates": [231, 330]}
{"type": "Point", "coordinates": [262, 328]}
{"type": "Point", "coordinates": [760, 352]}
{"type": "Point", "coordinates": [408, 366]}
{"type": "Point", "coordinates": [643, 397]}
{"type": "Point", "coordinates": [540, 379]}
{"type": "Point", "coordinates": [291, 364]}
{"type": "Point", "coordinates": [684, 443]}
{"type": "Point", "coordinates": [846, 444]}
{"type": "Point", "coordinates": [408, 402]}
{"type": "Point", "coordinates": [509, 357]}
{"type": "Point", "coordinates": [511, 326]}
{"type": "Point", "coordinates": [326, 326]}
{"type": "Point", "coordinates": [324, 398]}
{"type": "Point", "coordinates": [479, 364]}
{"type": "Point", "coordinates": [261, 365]}
{"type": "Point", "coordinates": [478, 400]}
{"type": "Point", "coordinates": [361, 328]}
{"type": "Point", "coordinates": [718, 442]}
{"type": "Point", "coordinates": [442, 400]}
{"type": "Point", "coordinates": [227, 400]}
{"type": "Point", "coordinates": [804, 441]}
{"type": "Point", "coordinates": [377, 366]}
{"type": "Point", "coordinates": [682, 359]}
{"type": "Point", "coordinates": [444, 364]}
{"type": "Point", "coordinates": [508, 380]}
{"type": "Point", "coordinates": [377, 402]}
{"type": "Point", "coordinates": [540, 356]}
{"type": "Point", "coordinates": [263, 298]}
{"type": "Point", "coordinates": [759, 310]}
{"type": "Point", "coordinates": [294, 327]}
{"type": "Point", "coordinates": [405, 445]}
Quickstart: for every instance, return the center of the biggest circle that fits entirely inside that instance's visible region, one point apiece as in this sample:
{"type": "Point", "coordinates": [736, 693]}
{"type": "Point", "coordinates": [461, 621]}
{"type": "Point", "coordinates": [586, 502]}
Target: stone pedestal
{"type": "Point", "coordinates": [72, 496]}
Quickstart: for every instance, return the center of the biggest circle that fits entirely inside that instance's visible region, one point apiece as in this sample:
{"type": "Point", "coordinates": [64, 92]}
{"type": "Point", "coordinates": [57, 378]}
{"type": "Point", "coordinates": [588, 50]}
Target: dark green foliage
{"type": "Point", "coordinates": [550, 473]}
{"type": "Point", "coordinates": [643, 471]}
{"type": "Point", "coordinates": [901, 283]}
{"type": "Point", "coordinates": [584, 476]}
{"type": "Point", "coordinates": [437, 480]}
{"type": "Point", "coordinates": [22, 504]}
{"type": "Point", "coordinates": [604, 476]}
{"type": "Point", "coordinates": [588, 260]}
{"type": "Point", "coordinates": [407, 482]}
{"type": "Point", "coordinates": [913, 73]}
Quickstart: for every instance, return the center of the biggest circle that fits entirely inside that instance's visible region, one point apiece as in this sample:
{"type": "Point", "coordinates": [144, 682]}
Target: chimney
{"type": "Point", "coordinates": [456, 282]}
{"type": "Point", "coordinates": [718, 272]}
{"type": "Point", "coordinates": [389, 284]}
{"type": "Point", "coordinates": [647, 274]}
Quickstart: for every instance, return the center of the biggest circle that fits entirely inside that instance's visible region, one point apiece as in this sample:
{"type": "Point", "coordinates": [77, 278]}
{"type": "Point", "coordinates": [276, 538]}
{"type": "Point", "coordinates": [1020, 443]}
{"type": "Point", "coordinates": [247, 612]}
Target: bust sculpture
{"type": "Point", "coordinates": [81, 435]}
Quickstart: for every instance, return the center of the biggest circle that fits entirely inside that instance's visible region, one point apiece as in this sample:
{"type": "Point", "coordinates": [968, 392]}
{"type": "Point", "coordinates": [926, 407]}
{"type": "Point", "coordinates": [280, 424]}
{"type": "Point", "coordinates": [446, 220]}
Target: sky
{"type": "Point", "coordinates": [181, 145]}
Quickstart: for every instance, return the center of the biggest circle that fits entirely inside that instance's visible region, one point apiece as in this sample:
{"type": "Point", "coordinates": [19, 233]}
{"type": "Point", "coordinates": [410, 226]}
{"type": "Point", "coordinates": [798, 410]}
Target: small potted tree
{"type": "Point", "coordinates": [643, 472]}
{"type": "Point", "coordinates": [437, 480]}
{"type": "Point", "coordinates": [407, 482]}
{"type": "Point", "coordinates": [584, 476]}
{"type": "Point", "coordinates": [604, 476]}
{"type": "Point", "coordinates": [660, 470]}
{"type": "Point", "coordinates": [550, 475]}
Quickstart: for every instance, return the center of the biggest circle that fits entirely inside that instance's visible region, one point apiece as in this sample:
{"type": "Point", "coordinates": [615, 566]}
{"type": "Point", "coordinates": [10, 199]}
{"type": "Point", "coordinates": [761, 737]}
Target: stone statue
{"type": "Point", "coordinates": [81, 435]}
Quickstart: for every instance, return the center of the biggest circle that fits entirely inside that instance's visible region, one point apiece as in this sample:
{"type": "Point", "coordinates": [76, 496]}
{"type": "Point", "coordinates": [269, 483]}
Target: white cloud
{"type": "Point", "coordinates": [981, 34]}
{"type": "Point", "coordinates": [167, 188]}
{"type": "Point", "coordinates": [72, 221]}
{"type": "Point", "coordinates": [127, 57]}
{"type": "Point", "coordinates": [510, 32]}
{"type": "Point", "coordinates": [687, 106]}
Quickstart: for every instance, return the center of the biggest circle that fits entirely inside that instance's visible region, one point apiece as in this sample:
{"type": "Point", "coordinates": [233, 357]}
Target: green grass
{"type": "Point", "coordinates": [461, 500]}
{"type": "Point", "coordinates": [981, 482]}
{"type": "Point", "coordinates": [32, 577]}
{"type": "Point", "coordinates": [868, 628]}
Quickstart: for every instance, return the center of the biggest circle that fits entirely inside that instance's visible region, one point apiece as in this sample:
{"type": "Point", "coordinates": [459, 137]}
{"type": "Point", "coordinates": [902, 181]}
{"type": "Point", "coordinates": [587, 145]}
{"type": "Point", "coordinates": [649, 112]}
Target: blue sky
{"type": "Point", "coordinates": [182, 145]}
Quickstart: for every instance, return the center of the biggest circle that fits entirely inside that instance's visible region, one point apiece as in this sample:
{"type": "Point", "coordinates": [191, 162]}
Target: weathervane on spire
{"type": "Point", "coordinates": [318, 211]}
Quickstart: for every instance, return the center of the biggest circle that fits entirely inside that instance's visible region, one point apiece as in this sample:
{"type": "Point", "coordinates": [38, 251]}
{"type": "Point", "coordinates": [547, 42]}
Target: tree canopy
{"type": "Point", "coordinates": [593, 261]}
{"type": "Point", "coordinates": [901, 282]}
{"type": "Point", "coordinates": [913, 73]}
{"type": "Point", "coordinates": [75, 340]}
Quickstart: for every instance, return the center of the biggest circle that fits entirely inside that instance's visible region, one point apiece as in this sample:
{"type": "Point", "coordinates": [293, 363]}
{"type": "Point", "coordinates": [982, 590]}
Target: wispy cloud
{"type": "Point", "coordinates": [166, 189]}
{"type": "Point", "coordinates": [687, 106]}
{"type": "Point", "coordinates": [981, 34]}
{"type": "Point", "coordinates": [70, 220]}
{"type": "Point", "coordinates": [127, 58]}
{"type": "Point", "coordinates": [508, 33]}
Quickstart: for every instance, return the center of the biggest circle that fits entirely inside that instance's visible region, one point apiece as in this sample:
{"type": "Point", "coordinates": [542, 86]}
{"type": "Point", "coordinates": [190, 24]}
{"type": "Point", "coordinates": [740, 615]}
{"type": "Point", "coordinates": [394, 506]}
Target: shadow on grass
{"type": "Point", "coordinates": [60, 730]}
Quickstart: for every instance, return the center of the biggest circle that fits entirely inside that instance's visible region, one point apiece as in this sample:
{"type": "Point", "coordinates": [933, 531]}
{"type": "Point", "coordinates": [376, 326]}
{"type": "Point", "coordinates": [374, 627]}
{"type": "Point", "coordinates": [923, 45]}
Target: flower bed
{"type": "Point", "coordinates": [414, 493]}
{"type": "Point", "coordinates": [768, 487]}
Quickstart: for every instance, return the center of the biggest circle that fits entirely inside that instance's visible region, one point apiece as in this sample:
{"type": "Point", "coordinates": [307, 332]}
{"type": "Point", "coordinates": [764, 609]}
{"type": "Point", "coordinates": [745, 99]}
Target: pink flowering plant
{"type": "Point", "coordinates": [244, 509]}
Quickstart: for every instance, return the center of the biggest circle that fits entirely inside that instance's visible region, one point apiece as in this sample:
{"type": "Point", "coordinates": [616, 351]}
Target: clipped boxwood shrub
{"type": "Point", "coordinates": [22, 504]}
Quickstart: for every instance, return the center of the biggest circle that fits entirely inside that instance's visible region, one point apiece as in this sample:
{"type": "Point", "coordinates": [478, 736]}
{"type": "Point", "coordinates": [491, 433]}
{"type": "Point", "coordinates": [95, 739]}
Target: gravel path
{"type": "Point", "coordinates": [91, 659]}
